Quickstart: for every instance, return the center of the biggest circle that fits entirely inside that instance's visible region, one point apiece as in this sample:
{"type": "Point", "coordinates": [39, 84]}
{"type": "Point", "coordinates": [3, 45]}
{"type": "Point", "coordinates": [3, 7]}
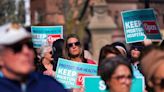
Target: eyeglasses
{"type": "Point", "coordinates": [69, 45]}
{"type": "Point", "coordinates": [17, 47]}
{"type": "Point", "coordinates": [159, 81]}
{"type": "Point", "coordinates": [121, 77]}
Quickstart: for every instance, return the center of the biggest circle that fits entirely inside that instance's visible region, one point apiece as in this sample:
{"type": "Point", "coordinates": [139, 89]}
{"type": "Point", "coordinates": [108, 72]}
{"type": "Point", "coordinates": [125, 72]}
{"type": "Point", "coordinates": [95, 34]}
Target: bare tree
{"type": "Point", "coordinates": [8, 8]}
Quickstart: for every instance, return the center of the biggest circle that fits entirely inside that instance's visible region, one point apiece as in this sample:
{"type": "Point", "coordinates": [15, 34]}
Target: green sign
{"type": "Point", "coordinates": [71, 73]}
{"type": "Point", "coordinates": [95, 84]}
{"type": "Point", "coordinates": [140, 25]}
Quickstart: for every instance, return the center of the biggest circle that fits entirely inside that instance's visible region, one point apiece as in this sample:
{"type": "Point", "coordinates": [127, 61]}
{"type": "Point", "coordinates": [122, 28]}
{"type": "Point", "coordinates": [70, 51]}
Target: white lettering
{"type": "Point", "coordinates": [133, 24]}
{"type": "Point", "coordinates": [102, 85]}
{"type": "Point", "coordinates": [127, 25]}
{"type": "Point", "coordinates": [60, 70]}
{"type": "Point", "coordinates": [66, 78]}
{"type": "Point", "coordinates": [66, 72]}
{"type": "Point", "coordinates": [150, 27]}
{"type": "Point", "coordinates": [135, 35]}
{"type": "Point", "coordinates": [130, 31]}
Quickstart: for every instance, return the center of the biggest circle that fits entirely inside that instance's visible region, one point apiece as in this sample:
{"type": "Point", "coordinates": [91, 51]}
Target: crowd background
{"type": "Point", "coordinates": [24, 68]}
{"type": "Point", "coordinates": [117, 64]}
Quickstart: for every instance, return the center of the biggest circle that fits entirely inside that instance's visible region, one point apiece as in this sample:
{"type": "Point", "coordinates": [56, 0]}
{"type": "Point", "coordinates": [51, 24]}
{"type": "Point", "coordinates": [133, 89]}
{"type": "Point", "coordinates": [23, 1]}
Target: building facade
{"type": "Point", "coordinates": [47, 11]}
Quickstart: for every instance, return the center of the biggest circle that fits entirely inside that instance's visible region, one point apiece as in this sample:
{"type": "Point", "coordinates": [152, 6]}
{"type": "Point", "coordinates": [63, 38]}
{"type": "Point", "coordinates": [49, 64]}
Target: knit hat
{"type": "Point", "coordinates": [151, 61]}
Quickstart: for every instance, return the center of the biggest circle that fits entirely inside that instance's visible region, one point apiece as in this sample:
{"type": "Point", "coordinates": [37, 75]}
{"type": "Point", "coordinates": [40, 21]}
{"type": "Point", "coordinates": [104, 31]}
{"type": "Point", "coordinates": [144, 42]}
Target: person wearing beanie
{"type": "Point", "coordinates": [152, 65]}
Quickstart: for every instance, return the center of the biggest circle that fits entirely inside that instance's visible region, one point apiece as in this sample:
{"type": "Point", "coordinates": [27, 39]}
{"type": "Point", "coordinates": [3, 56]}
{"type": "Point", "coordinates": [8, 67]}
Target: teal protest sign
{"type": "Point", "coordinates": [140, 25]}
{"type": "Point", "coordinates": [95, 84]}
{"type": "Point", "coordinates": [71, 73]}
{"type": "Point", "coordinates": [42, 35]}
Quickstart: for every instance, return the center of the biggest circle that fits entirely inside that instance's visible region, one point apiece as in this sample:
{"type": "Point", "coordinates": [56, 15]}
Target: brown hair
{"type": "Point", "coordinates": [66, 53]}
{"type": "Point", "coordinates": [149, 64]}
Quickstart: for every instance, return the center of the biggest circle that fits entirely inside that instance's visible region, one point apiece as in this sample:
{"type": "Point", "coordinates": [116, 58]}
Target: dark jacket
{"type": "Point", "coordinates": [35, 83]}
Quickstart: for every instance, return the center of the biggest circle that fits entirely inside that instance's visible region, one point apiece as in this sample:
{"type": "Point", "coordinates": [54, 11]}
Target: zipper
{"type": "Point", "coordinates": [23, 87]}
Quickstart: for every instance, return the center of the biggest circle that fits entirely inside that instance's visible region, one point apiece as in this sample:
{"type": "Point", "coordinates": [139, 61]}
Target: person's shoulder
{"type": "Point", "coordinates": [46, 79]}
{"type": "Point", "coordinates": [50, 82]}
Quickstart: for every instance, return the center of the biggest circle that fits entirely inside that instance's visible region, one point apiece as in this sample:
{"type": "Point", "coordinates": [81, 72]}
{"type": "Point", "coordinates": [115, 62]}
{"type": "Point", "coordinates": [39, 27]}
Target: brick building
{"type": "Point", "coordinates": [116, 6]}
{"type": "Point", "coordinates": [52, 11]}
{"type": "Point", "coordinates": [47, 11]}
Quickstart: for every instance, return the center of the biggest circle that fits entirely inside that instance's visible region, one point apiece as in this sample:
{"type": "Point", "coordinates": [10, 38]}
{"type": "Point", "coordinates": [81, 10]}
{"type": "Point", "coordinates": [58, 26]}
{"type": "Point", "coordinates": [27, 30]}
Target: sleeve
{"type": "Point", "coordinates": [89, 61]}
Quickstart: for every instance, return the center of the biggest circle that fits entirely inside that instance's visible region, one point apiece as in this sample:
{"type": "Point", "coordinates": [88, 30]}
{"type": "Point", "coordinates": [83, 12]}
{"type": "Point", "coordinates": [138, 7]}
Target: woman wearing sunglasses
{"type": "Point", "coordinates": [73, 50]}
{"type": "Point", "coordinates": [46, 63]}
{"type": "Point", "coordinates": [136, 52]}
{"type": "Point", "coordinates": [116, 73]}
{"type": "Point", "coordinates": [152, 66]}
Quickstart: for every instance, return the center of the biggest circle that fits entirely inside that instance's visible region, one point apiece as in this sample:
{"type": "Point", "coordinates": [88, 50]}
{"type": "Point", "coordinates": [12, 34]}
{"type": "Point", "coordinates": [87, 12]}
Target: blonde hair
{"type": "Point", "coordinates": [45, 49]}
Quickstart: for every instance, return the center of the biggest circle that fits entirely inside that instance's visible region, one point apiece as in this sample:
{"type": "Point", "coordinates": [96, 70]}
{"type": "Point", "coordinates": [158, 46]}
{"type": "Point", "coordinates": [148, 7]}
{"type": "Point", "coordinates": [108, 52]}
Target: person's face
{"type": "Point", "coordinates": [120, 80]}
{"type": "Point", "coordinates": [135, 53]}
{"type": "Point", "coordinates": [48, 54]}
{"type": "Point", "coordinates": [158, 79]}
{"type": "Point", "coordinates": [18, 59]}
{"type": "Point", "coordinates": [74, 46]}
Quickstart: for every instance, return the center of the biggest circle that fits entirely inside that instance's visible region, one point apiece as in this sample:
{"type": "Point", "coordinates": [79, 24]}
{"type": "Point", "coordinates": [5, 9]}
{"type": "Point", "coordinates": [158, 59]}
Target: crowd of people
{"type": "Point", "coordinates": [25, 69]}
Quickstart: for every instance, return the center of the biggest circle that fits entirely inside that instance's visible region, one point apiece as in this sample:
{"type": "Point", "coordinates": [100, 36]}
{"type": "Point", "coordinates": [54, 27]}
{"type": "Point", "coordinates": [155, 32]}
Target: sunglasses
{"type": "Point", "coordinates": [69, 45]}
{"type": "Point", "coordinates": [140, 48]}
{"type": "Point", "coordinates": [17, 47]}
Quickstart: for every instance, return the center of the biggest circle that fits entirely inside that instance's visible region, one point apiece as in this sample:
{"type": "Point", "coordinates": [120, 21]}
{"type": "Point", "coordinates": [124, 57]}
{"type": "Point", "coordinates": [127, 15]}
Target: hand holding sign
{"type": "Point", "coordinates": [53, 37]}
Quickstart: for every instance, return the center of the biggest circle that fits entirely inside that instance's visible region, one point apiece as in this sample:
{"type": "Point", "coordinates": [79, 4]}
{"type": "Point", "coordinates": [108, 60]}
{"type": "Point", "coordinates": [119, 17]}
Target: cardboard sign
{"type": "Point", "coordinates": [71, 73]}
{"type": "Point", "coordinates": [96, 84]}
{"type": "Point", "coordinates": [42, 35]}
{"type": "Point", "coordinates": [140, 25]}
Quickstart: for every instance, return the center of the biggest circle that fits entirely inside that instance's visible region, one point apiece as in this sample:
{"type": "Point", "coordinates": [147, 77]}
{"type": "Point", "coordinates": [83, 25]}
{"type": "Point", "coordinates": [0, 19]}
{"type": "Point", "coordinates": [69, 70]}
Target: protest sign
{"type": "Point", "coordinates": [42, 35]}
{"type": "Point", "coordinates": [140, 25]}
{"type": "Point", "coordinates": [96, 84]}
{"type": "Point", "coordinates": [71, 73]}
